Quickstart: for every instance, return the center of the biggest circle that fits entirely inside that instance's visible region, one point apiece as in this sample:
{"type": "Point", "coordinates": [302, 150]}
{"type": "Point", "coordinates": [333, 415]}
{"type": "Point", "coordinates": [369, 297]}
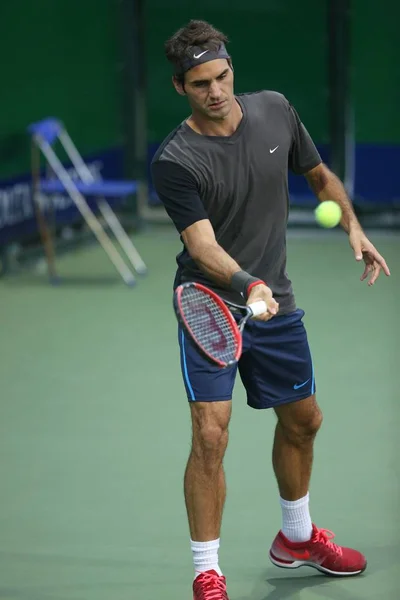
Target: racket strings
{"type": "Point", "coordinates": [208, 324]}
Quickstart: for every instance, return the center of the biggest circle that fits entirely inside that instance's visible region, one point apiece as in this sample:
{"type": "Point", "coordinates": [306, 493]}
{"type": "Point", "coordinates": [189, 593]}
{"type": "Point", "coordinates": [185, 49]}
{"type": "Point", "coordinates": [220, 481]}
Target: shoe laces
{"type": "Point", "coordinates": [213, 586]}
{"type": "Point", "coordinates": [324, 536]}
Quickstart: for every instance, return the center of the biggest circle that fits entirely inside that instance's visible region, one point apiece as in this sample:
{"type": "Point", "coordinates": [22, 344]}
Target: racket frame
{"type": "Point", "coordinates": [224, 308]}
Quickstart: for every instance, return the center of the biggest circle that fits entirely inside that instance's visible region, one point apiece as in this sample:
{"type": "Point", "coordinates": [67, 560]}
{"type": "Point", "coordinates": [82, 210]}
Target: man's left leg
{"type": "Point", "coordinates": [277, 372]}
{"type": "Point", "coordinates": [300, 542]}
{"type": "Point", "coordinates": [292, 458]}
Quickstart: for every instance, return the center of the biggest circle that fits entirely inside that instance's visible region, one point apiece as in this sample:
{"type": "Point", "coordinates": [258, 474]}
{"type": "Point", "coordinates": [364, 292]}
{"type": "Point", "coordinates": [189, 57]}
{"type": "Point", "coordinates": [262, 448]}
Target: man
{"type": "Point", "coordinates": [222, 176]}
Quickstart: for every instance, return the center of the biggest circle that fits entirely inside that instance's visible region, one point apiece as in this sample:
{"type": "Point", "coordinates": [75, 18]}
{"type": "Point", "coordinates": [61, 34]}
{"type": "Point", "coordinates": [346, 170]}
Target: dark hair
{"type": "Point", "coordinates": [195, 33]}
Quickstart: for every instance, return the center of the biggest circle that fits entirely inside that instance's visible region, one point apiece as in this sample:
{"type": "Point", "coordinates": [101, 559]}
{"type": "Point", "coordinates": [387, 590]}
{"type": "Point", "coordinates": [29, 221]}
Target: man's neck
{"type": "Point", "coordinates": [224, 128]}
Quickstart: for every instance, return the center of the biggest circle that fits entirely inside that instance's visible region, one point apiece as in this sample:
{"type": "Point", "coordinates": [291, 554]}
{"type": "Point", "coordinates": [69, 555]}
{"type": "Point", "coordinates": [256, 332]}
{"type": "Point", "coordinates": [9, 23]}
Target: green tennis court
{"type": "Point", "coordinates": [94, 433]}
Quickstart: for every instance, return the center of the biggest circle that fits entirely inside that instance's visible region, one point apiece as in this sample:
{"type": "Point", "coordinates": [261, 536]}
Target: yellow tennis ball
{"type": "Point", "coordinates": [328, 214]}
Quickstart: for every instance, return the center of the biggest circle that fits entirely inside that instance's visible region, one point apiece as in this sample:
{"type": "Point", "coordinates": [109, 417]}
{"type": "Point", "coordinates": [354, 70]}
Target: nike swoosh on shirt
{"type": "Point", "coordinates": [300, 385]}
{"type": "Point", "coordinates": [198, 55]}
{"type": "Point", "coordinates": [273, 150]}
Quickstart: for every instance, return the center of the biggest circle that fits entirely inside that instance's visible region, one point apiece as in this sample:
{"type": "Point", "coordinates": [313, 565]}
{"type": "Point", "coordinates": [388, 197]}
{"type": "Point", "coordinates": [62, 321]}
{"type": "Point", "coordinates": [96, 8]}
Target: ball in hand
{"type": "Point", "coordinates": [328, 214]}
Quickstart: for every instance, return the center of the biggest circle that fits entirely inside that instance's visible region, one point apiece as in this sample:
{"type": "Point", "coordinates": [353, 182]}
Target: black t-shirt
{"type": "Point", "coordinates": [239, 183]}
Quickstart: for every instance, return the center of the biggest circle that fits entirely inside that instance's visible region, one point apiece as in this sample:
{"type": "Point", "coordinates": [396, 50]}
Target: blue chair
{"type": "Point", "coordinates": [44, 134]}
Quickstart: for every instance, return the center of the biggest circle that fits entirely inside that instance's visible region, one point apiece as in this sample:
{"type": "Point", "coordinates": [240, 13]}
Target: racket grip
{"type": "Point", "coordinates": [258, 308]}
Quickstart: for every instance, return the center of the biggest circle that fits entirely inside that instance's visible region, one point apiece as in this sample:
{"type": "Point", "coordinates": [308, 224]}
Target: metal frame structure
{"type": "Point", "coordinates": [76, 189]}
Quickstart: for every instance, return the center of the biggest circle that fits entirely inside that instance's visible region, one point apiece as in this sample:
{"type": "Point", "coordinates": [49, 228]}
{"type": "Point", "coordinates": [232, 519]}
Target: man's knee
{"type": "Point", "coordinates": [210, 423]}
{"type": "Point", "coordinates": [301, 425]}
{"type": "Point", "coordinates": [211, 440]}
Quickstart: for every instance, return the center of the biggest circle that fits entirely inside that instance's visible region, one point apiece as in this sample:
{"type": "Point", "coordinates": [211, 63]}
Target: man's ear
{"type": "Point", "coordinates": [178, 86]}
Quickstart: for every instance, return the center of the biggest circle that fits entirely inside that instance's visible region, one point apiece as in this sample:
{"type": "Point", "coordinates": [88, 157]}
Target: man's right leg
{"type": "Point", "coordinates": [204, 477]}
{"type": "Point", "coordinates": [205, 494]}
{"type": "Point", "coordinates": [209, 391]}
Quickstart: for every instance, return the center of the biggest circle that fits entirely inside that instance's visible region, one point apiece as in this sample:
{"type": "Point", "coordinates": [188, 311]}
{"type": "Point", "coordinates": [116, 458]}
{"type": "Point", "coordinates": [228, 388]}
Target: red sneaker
{"type": "Point", "coordinates": [319, 552]}
{"type": "Point", "coordinates": [209, 586]}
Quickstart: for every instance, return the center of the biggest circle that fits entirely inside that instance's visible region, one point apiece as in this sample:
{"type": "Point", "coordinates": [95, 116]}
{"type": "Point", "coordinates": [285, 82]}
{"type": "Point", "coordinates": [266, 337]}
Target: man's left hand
{"type": "Point", "coordinates": [364, 250]}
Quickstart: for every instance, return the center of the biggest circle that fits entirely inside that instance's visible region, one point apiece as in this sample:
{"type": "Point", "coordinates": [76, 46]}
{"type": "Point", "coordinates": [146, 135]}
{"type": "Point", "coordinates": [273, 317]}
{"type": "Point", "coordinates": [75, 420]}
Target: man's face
{"type": "Point", "coordinates": [209, 88]}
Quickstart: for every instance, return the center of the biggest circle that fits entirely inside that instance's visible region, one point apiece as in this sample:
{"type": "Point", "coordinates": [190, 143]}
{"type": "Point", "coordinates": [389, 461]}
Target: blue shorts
{"type": "Point", "coordinates": [275, 366]}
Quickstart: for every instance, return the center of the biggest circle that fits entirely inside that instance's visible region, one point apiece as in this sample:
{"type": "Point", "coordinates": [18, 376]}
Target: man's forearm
{"type": "Point", "coordinates": [216, 263]}
{"type": "Point", "coordinates": [223, 269]}
{"type": "Point", "coordinates": [327, 186]}
{"type": "Point", "coordinates": [334, 190]}
{"type": "Point", "coordinates": [212, 259]}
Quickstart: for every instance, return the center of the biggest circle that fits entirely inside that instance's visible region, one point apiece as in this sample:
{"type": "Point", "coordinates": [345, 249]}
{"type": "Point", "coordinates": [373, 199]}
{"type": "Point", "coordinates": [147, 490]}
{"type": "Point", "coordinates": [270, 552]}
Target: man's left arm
{"type": "Point", "coordinates": [327, 186]}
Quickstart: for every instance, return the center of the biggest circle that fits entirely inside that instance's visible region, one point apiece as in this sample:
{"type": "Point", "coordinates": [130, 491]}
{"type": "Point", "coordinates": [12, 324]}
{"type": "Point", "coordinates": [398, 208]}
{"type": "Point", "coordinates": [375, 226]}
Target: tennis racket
{"type": "Point", "coordinates": [208, 321]}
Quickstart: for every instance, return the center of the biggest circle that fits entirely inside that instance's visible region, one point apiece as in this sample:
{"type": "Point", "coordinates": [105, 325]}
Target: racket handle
{"type": "Point", "coordinates": [258, 308]}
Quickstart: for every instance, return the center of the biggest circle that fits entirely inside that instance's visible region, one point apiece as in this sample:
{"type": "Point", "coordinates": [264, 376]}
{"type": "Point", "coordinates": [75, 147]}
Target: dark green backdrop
{"type": "Point", "coordinates": [275, 44]}
{"type": "Point", "coordinates": [59, 58]}
{"type": "Point", "coordinates": [63, 58]}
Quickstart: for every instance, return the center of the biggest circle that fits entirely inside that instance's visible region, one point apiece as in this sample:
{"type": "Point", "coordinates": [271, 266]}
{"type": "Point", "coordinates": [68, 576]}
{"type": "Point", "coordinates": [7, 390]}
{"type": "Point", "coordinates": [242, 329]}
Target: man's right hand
{"type": "Point", "coordinates": [263, 292]}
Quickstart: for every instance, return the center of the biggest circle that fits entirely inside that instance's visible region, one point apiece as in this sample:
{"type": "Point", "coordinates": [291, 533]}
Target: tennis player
{"type": "Point", "coordinates": [222, 175]}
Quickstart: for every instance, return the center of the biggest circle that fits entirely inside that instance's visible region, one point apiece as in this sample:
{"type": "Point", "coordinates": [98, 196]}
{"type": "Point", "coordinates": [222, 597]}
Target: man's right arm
{"type": "Point", "coordinates": [177, 189]}
{"type": "Point", "coordinates": [211, 258]}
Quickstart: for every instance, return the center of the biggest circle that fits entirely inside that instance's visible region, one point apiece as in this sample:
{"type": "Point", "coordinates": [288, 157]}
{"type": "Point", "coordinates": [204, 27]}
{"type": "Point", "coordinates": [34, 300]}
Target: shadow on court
{"type": "Point", "coordinates": [290, 587]}
{"type": "Point", "coordinates": [285, 588]}
{"type": "Point", "coordinates": [291, 584]}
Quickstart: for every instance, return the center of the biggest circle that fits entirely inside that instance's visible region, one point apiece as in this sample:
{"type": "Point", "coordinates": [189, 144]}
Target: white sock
{"type": "Point", "coordinates": [296, 520]}
{"type": "Point", "coordinates": [205, 556]}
